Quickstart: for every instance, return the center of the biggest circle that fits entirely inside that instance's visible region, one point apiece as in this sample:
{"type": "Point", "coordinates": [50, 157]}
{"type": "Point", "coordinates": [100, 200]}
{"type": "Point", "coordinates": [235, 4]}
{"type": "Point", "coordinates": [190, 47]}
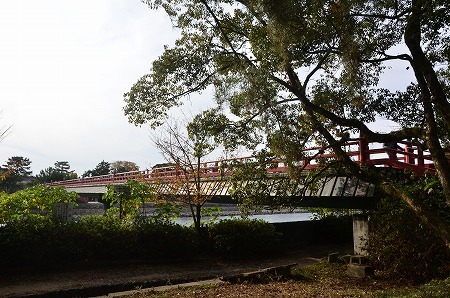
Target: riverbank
{"type": "Point", "coordinates": [148, 209]}
{"type": "Point", "coordinates": [218, 211]}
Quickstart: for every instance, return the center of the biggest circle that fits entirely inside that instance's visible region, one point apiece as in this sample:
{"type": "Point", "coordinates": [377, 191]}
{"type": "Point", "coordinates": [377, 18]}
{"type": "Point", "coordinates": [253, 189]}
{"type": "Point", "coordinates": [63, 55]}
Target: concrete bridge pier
{"type": "Point", "coordinates": [360, 234]}
{"type": "Point", "coordinates": [359, 266]}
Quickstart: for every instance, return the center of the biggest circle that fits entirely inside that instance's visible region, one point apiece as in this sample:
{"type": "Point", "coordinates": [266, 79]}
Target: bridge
{"type": "Point", "coordinates": [332, 192]}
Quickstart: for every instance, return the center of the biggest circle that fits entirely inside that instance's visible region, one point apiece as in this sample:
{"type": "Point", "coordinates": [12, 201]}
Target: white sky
{"type": "Point", "coordinates": [64, 67]}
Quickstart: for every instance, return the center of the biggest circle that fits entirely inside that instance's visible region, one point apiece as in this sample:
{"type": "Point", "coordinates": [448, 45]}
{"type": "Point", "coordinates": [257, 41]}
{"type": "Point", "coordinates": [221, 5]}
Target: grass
{"type": "Point", "coordinates": [435, 288]}
{"type": "Point", "coordinates": [320, 280]}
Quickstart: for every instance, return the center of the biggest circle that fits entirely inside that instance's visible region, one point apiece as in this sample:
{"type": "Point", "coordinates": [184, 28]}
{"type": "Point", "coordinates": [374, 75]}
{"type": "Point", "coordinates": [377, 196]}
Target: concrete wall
{"type": "Point", "coordinates": [88, 209]}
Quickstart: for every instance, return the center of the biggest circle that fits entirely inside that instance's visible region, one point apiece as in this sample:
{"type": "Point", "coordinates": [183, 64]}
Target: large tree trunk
{"type": "Point", "coordinates": [413, 40]}
{"type": "Point", "coordinates": [432, 95]}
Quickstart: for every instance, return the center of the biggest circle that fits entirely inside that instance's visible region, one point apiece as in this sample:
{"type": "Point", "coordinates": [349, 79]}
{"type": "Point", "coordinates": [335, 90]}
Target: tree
{"type": "Point", "coordinates": [129, 197]}
{"type": "Point", "coordinates": [296, 73]}
{"type": "Point", "coordinates": [62, 166]}
{"type": "Point", "coordinates": [185, 153]}
{"type": "Point", "coordinates": [16, 169]}
{"type": "Point", "coordinates": [36, 200]}
{"type": "Point", "coordinates": [122, 166]}
{"type": "Point", "coordinates": [60, 171]}
{"type": "Point", "coordinates": [49, 174]}
{"type": "Point", "coordinates": [103, 168]}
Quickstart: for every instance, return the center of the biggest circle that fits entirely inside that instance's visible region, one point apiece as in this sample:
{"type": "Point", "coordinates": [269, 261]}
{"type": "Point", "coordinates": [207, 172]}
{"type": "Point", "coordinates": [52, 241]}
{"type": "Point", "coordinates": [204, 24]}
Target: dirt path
{"type": "Point", "coordinates": [113, 278]}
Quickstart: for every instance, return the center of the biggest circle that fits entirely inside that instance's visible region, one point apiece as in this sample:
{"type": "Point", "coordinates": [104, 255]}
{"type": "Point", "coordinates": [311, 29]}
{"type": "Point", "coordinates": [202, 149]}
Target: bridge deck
{"type": "Point", "coordinates": [405, 156]}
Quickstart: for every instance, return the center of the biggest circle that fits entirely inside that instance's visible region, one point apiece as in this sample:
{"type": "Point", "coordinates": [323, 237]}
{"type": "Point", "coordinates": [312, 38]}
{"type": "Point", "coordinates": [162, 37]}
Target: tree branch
{"type": "Point", "coordinates": [387, 58]}
{"type": "Point", "coordinates": [380, 16]}
{"type": "Point", "coordinates": [318, 66]}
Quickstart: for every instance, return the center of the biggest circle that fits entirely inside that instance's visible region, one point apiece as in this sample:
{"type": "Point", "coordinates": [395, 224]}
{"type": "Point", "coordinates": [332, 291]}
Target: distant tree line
{"type": "Point", "coordinates": [16, 173]}
{"type": "Point", "coordinates": [105, 168]}
{"type": "Point", "coordinates": [61, 171]}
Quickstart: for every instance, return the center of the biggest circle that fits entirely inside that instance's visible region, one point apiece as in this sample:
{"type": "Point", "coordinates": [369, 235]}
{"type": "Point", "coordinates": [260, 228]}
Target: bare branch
{"type": "Point", "coordinates": [4, 130]}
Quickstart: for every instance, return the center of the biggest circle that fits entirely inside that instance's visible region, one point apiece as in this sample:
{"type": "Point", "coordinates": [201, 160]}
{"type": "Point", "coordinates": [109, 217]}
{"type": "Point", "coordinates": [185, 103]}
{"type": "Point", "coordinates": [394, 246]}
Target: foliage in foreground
{"type": "Point", "coordinates": [403, 247]}
{"type": "Point", "coordinates": [37, 200]}
{"type": "Point", "coordinates": [243, 237]}
{"type": "Point", "coordinates": [38, 241]}
{"type": "Point", "coordinates": [41, 241]}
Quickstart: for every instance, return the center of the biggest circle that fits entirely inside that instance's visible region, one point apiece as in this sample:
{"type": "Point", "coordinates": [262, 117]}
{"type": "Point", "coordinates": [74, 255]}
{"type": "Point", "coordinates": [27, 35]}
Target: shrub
{"type": "Point", "coordinates": [243, 237]}
{"type": "Point", "coordinates": [35, 200]}
{"type": "Point", "coordinates": [39, 241]}
{"type": "Point", "coordinates": [106, 238]}
{"type": "Point", "coordinates": [166, 240]}
{"type": "Point", "coordinates": [21, 240]}
{"type": "Point", "coordinates": [402, 247]}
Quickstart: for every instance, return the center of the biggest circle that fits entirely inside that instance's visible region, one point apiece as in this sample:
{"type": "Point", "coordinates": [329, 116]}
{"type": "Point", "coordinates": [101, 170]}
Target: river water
{"type": "Point", "coordinates": [268, 217]}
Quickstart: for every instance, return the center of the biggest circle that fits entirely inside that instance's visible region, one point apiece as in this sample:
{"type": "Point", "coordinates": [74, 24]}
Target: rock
{"type": "Point", "coordinates": [333, 257]}
{"type": "Point", "coordinates": [359, 271]}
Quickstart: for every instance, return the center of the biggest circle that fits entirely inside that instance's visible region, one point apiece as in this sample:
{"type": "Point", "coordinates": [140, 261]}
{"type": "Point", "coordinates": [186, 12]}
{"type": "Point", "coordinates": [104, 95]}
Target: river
{"type": "Point", "coordinates": [269, 217]}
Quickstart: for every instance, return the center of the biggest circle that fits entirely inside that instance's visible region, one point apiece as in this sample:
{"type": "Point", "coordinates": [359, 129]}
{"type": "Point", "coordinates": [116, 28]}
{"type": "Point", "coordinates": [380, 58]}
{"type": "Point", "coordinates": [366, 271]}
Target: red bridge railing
{"type": "Point", "coordinates": [404, 155]}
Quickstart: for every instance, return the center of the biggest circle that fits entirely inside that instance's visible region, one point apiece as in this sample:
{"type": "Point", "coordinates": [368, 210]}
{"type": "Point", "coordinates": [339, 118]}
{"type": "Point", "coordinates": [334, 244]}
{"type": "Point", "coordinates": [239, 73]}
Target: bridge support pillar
{"type": "Point", "coordinates": [360, 234]}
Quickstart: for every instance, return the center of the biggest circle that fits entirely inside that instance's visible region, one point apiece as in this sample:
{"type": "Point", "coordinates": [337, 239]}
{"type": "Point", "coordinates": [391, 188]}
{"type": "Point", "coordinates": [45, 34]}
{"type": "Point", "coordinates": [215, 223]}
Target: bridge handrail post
{"type": "Point", "coordinates": [420, 159]}
{"type": "Point", "coordinates": [364, 153]}
{"type": "Point", "coordinates": [409, 149]}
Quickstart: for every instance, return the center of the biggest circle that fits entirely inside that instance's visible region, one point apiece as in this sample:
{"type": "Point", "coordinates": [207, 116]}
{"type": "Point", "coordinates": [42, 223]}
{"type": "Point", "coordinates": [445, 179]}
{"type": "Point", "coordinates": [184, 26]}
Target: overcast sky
{"type": "Point", "coordinates": [64, 67]}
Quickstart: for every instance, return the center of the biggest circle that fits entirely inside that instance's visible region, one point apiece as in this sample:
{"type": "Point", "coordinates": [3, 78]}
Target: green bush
{"type": "Point", "coordinates": [37, 200]}
{"type": "Point", "coordinates": [243, 237]}
{"type": "Point", "coordinates": [105, 238]}
{"type": "Point", "coordinates": [20, 240]}
{"type": "Point", "coordinates": [166, 240]}
{"type": "Point", "coordinates": [404, 248]}
{"type": "Point", "coordinates": [39, 241]}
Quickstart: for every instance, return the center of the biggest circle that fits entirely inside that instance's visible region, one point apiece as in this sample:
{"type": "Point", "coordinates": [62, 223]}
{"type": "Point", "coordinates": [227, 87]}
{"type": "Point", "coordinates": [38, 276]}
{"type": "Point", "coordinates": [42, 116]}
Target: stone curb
{"type": "Point", "coordinates": [277, 270]}
{"type": "Point", "coordinates": [214, 281]}
{"type": "Point", "coordinates": [283, 270]}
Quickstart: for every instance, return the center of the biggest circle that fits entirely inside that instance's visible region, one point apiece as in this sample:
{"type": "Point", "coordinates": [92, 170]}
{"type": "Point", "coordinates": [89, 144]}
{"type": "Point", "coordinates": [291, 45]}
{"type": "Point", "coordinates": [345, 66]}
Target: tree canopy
{"type": "Point", "coordinates": [288, 74]}
{"type": "Point", "coordinates": [298, 71]}
{"type": "Point", "coordinates": [103, 168]}
{"type": "Point", "coordinates": [122, 166]}
{"type": "Point", "coordinates": [16, 169]}
{"type": "Point", "coordinates": [60, 171]}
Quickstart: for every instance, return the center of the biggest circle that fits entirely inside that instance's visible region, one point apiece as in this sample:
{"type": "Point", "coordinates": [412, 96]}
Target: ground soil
{"type": "Point", "coordinates": [102, 279]}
